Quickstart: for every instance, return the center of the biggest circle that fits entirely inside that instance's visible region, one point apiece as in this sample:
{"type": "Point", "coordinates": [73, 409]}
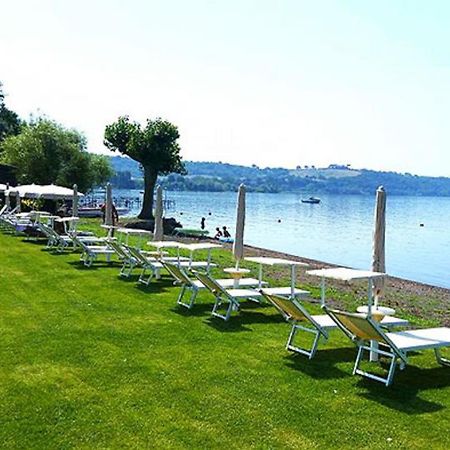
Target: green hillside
{"type": "Point", "coordinates": [218, 176]}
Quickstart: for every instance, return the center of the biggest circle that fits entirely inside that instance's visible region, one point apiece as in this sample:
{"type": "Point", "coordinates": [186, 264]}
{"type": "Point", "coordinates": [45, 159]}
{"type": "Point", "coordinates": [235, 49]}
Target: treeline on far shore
{"type": "Point", "coordinates": [221, 177]}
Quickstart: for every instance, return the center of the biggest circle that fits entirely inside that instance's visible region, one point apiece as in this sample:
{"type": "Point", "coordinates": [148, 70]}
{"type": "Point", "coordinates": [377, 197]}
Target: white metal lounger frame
{"type": "Point", "coordinates": [194, 286]}
{"type": "Point", "coordinates": [128, 260]}
{"type": "Point", "coordinates": [294, 312]}
{"type": "Point", "coordinates": [55, 240]}
{"type": "Point", "coordinates": [361, 329]}
{"type": "Point", "coordinates": [151, 264]}
{"type": "Point", "coordinates": [222, 295]}
{"type": "Point", "coordinates": [89, 253]}
{"type": "Point", "coordinates": [186, 284]}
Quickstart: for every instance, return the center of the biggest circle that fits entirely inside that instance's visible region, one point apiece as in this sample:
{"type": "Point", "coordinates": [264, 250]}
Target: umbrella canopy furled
{"type": "Point", "coordinates": [378, 255]}
{"type": "Point", "coordinates": [75, 201]}
{"type": "Point", "coordinates": [108, 205]}
{"type": "Point", "coordinates": [7, 199]}
{"type": "Point", "coordinates": [238, 244]}
{"type": "Point", "coordinates": [158, 232]}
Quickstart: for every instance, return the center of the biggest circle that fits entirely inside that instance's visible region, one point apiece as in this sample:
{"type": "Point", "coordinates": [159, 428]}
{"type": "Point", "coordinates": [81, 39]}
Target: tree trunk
{"type": "Point", "coordinates": [150, 176]}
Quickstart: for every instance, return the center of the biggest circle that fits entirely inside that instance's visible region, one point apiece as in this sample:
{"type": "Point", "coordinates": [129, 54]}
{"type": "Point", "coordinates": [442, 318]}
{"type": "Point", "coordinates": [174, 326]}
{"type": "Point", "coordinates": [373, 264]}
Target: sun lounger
{"type": "Point", "coordinates": [54, 240]}
{"type": "Point", "coordinates": [319, 325]}
{"type": "Point", "coordinates": [147, 263]}
{"type": "Point", "coordinates": [227, 296]}
{"type": "Point", "coordinates": [295, 313]}
{"type": "Point", "coordinates": [90, 251]}
{"type": "Point", "coordinates": [395, 346]}
{"type": "Point", "coordinates": [129, 262]}
{"type": "Point", "coordinates": [194, 286]}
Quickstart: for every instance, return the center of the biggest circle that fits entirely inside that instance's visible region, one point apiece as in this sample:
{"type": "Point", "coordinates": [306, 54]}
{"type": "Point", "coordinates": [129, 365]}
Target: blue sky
{"type": "Point", "coordinates": [273, 83]}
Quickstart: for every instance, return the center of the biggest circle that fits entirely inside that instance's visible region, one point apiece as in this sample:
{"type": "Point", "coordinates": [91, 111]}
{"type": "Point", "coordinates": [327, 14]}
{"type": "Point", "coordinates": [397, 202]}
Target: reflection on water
{"type": "Point", "coordinates": [338, 230]}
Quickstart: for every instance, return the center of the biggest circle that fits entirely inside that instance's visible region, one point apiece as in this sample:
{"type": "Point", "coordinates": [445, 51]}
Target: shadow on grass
{"type": "Point", "coordinates": [79, 265]}
{"type": "Point", "coordinates": [323, 365]}
{"type": "Point", "coordinates": [239, 320]}
{"type": "Point", "coordinates": [199, 309]}
{"type": "Point", "coordinates": [162, 285]}
{"type": "Point", "coordinates": [36, 241]}
{"type": "Point", "coordinates": [402, 395]}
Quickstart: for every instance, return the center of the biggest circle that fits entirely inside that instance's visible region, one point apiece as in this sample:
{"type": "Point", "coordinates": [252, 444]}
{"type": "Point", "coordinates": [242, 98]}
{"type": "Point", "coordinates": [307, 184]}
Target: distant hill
{"type": "Point", "coordinates": [217, 176]}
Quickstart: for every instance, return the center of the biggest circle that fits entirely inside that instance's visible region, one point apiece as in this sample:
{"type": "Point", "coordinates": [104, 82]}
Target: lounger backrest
{"type": "Point", "coordinates": [288, 308]}
{"type": "Point", "coordinates": [291, 309]}
{"type": "Point", "coordinates": [179, 274]}
{"type": "Point", "coordinates": [210, 283]}
{"type": "Point", "coordinates": [80, 243]}
{"type": "Point", "coordinates": [138, 255]}
{"type": "Point", "coordinates": [359, 325]}
{"type": "Point", "coordinates": [362, 328]}
{"type": "Point", "coordinates": [118, 249]}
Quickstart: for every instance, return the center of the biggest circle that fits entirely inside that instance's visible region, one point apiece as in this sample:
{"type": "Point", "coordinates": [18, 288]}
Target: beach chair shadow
{"type": "Point", "coordinates": [323, 365]}
{"type": "Point", "coordinates": [404, 396]}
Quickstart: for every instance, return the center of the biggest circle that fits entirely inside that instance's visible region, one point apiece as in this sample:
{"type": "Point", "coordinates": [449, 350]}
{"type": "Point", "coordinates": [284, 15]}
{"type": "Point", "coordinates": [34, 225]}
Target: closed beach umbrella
{"type": "Point", "coordinates": [238, 244]}
{"type": "Point", "coordinates": [158, 231]}
{"type": "Point", "coordinates": [7, 199]}
{"type": "Point", "coordinates": [378, 255]}
{"type": "Point", "coordinates": [18, 205]}
{"type": "Point", "coordinates": [108, 205]}
{"type": "Point", "coordinates": [75, 201]}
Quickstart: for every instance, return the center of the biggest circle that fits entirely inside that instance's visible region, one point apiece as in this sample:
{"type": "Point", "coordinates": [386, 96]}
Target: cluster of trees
{"type": "Point", "coordinates": [44, 152]}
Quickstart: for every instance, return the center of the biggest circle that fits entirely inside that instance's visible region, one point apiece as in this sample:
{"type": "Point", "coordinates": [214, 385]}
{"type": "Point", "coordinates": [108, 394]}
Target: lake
{"type": "Point", "coordinates": [338, 230]}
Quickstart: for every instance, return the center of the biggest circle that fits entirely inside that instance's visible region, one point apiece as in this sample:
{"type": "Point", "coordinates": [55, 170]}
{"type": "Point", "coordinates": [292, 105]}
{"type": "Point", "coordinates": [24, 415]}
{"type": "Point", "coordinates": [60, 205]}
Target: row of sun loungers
{"type": "Point", "coordinates": [193, 276]}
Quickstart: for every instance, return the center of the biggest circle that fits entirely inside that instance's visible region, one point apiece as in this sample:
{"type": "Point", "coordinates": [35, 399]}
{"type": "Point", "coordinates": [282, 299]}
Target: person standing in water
{"type": "Point", "coordinates": [226, 234]}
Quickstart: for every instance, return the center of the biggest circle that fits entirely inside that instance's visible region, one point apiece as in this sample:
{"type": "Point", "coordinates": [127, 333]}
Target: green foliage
{"type": "Point", "coordinates": [155, 147]}
{"type": "Point", "coordinates": [46, 152]}
{"type": "Point", "coordinates": [10, 123]}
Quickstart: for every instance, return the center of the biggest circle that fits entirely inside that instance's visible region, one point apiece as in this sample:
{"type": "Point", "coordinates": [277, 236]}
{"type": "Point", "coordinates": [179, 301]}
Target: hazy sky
{"type": "Point", "coordinates": [275, 83]}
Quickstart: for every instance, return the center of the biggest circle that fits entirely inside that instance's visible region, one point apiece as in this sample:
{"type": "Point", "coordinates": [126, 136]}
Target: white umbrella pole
{"type": "Point", "coordinates": [18, 209]}
{"type": "Point", "coordinates": [75, 201]}
{"type": "Point", "coordinates": [379, 235]}
{"type": "Point", "coordinates": [238, 244]}
{"type": "Point", "coordinates": [108, 206]}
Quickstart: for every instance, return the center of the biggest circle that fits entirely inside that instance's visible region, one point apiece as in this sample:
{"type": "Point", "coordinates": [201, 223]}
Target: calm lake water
{"type": "Point", "coordinates": [338, 230]}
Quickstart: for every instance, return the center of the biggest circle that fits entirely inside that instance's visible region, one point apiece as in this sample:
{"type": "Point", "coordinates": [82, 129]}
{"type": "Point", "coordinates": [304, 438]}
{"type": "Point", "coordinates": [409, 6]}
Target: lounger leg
{"type": "Point", "coordinates": [440, 359]}
{"type": "Point", "coordinates": [390, 376]}
{"type": "Point", "coordinates": [290, 343]}
{"type": "Point", "coordinates": [217, 305]}
{"type": "Point", "coordinates": [180, 296]}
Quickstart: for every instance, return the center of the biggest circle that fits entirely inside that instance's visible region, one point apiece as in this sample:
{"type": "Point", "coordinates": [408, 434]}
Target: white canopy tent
{"type": "Point", "coordinates": [49, 191]}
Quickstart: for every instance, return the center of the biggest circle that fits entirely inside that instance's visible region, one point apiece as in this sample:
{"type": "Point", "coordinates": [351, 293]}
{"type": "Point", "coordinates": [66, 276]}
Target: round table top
{"type": "Point", "coordinates": [234, 271]}
{"type": "Point", "coordinates": [386, 311]}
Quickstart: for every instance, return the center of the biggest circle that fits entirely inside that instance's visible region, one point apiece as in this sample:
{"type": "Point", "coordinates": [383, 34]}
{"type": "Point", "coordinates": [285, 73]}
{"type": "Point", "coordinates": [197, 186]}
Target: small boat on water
{"type": "Point", "coordinates": [312, 200]}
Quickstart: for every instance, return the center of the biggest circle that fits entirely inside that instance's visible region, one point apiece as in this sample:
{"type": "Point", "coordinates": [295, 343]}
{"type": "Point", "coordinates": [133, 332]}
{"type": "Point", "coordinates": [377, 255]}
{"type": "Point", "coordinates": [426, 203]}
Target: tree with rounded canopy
{"type": "Point", "coordinates": [155, 147]}
{"type": "Point", "coordinates": [46, 152]}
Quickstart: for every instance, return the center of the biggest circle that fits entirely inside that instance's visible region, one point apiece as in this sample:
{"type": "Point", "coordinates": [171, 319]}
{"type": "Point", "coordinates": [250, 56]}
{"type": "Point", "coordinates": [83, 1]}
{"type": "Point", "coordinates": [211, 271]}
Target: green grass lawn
{"type": "Point", "coordinates": [89, 360]}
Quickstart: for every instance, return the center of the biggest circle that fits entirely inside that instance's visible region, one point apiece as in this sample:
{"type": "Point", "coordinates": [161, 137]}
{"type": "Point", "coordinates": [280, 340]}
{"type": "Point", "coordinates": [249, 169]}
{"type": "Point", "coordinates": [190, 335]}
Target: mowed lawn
{"type": "Point", "coordinates": [89, 360]}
